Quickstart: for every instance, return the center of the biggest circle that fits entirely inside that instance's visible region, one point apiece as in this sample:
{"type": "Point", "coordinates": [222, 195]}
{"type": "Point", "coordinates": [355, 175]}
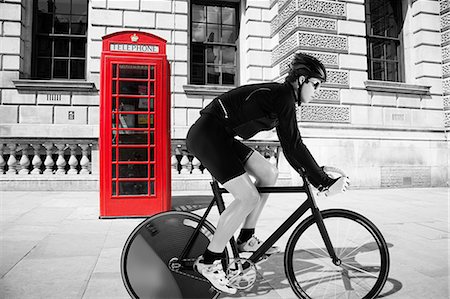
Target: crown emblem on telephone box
{"type": "Point", "coordinates": [134, 38]}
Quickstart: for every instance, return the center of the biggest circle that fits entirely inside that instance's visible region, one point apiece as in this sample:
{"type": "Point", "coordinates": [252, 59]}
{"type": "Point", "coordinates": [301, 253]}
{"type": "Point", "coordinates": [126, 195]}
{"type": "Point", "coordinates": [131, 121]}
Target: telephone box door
{"type": "Point", "coordinates": [135, 141]}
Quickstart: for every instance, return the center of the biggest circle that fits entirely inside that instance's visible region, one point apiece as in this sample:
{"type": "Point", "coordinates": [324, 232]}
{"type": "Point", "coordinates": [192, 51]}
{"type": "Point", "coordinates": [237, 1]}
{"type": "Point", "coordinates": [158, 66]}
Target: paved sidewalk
{"type": "Point", "coordinates": [54, 246]}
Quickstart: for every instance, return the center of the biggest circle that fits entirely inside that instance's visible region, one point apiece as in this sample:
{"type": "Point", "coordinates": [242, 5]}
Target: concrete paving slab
{"type": "Point", "coordinates": [105, 285]}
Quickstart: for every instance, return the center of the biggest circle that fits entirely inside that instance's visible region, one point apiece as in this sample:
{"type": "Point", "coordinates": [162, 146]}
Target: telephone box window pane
{"type": "Point", "coordinates": [76, 69]}
{"type": "Point", "coordinates": [133, 104]}
{"type": "Point", "coordinates": [113, 154]}
{"type": "Point", "coordinates": [152, 88]}
{"type": "Point", "coordinates": [113, 168]}
{"type": "Point", "coordinates": [133, 137]}
{"type": "Point", "coordinates": [44, 69]}
{"type": "Point", "coordinates": [152, 121]}
{"type": "Point", "coordinates": [133, 71]}
{"type": "Point", "coordinates": [62, 47]}
{"type": "Point", "coordinates": [114, 188]}
{"type": "Point", "coordinates": [78, 25]}
{"type": "Point", "coordinates": [152, 188]}
{"type": "Point", "coordinates": [133, 121]}
{"type": "Point", "coordinates": [114, 135]}
{"type": "Point", "coordinates": [114, 70]}
{"type": "Point", "coordinates": [133, 171]}
{"type": "Point", "coordinates": [133, 188]}
{"type": "Point", "coordinates": [113, 121]}
{"type": "Point", "coordinates": [133, 154]}
{"type": "Point", "coordinates": [136, 88]}
{"type": "Point", "coordinates": [61, 68]}
{"type": "Point", "coordinates": [62, 6]}
{"type": "Point", "coordinates": [152, 105]}
{"type": "Point", "coordinates": [152, 137]}
{"type": "Point", "coordinates": [114, 86]}
{"type": "Point", "coordinates": [152, 170]}
{"type": "Point", "coordinates": [152, 72]}
{"type": "Point", "coordinates": [152, 154]}
{"type": "Point", "coordinates": [62, 24]}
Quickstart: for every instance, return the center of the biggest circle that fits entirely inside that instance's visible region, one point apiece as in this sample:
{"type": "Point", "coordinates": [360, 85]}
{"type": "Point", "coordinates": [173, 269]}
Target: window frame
{"type": "Point", "coordinates": [235, 4]}
{"type": "Point", "coordinates": [55, 36]}
{"type": "Point", "coordinates": [371, 39]}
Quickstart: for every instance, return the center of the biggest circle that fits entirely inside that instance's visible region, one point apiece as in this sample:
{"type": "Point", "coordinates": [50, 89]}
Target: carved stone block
{"type": "Point", "coordinates": [323, 41]}
{"type": "Point", "coordinates": [322, 113]}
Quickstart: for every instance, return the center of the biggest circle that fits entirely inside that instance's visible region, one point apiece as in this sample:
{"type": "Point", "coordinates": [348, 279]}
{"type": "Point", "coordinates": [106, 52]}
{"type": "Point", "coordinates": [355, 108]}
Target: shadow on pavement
{"type": "Point", "coordinates": [190, 203]}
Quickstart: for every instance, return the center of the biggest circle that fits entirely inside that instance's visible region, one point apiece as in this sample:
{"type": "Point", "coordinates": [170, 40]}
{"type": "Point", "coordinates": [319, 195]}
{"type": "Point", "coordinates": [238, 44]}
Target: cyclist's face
{"type": "Point", "coordinates": [309, 89]}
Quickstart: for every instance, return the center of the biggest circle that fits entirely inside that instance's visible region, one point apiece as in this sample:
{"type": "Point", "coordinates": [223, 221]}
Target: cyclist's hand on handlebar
{"type": "Point", "coordinates": [339, 186]}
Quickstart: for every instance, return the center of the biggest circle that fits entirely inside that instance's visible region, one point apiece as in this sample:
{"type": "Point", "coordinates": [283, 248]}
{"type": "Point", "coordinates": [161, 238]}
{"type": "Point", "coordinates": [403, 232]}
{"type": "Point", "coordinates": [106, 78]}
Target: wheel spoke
{"type": "Point", "coordinates": [357, 248]}
{"type": "Point", "coordinates": [360, 270]}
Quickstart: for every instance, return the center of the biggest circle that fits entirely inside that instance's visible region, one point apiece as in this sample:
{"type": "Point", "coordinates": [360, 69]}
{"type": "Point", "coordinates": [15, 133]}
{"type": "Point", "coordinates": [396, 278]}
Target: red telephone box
{"type": "Point", "coordinates": [134, 126]}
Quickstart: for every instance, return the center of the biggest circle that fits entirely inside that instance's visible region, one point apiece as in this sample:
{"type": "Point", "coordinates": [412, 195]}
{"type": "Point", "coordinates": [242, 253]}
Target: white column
{"type": "Point", "coordinates": [61, 162]}
{"type": "Point", "coordinates": [24, 160]}
{"type": "Point", "coordinates": [12, 161]}
{"type": "Point", "coordinates": [73, 162]}
{"type": "Point", "coordinates": [84, 162]}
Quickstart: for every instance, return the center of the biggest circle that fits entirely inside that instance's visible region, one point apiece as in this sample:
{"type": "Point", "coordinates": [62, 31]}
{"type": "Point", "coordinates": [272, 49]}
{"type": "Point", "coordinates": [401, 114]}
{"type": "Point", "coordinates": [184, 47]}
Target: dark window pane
{"type": "Point", "coordinates": [79, 7]}
{"type": "Point", "coordinates": [114, 170]}
{"type": "Point", "coordinates": [152, 121]}
{"type": "Point", "coordinates": [62, 6]}
{"type": "Point", "coordinates": [133, 154]}
{"type": "Point", "coordinates": [377, 71]}
{"type": "Point", "coordinates": [198, 32]}
{"type": "Point", "coordinates": [77, 69]}
{"type": "Point", "coordinates": [61, 68]}
{"type": "Point", "coordinates": [378, 50]}
{"type": "Point", "coordinates": [61, 24]}
{"type": "Point", "coordinates": [212, 55]}
{"type": "Point", "coordinates": [228, 16]}
{"type": "Point", "coordinates": [44, 46]}
{"type": "Point", "coordinates": [133, 104]}
{"type": "Point", "coordinates": [136, 88]}
{"type": "Point", "coordinates": [43, 68]}
{"type": "Point", "coordinates": [152, 72]}
{"type": "Point", "coordinates": [61, 47]}
{"type": "Point", "coordinates": [213, 75]}
{"type": "Point", "coordinates": [152, 138]}
{"type": "Point", "coordinates": [198, 53]}
{"type": "Point", "coordinates": [228, 75]}
{"type": "Point", "coordinates": [198, 13]}
{"type": "Point", "coordinates": [114, 132]}
{"type": "Point", "coordinates": [44, 23]}
{"type": "Point", "coordinates": [228, 34]}
{"type": "Point", "coordinates": [78, 25]}
{"type": "Point", "coordinates": [114, 70]}
{"type": "Point", "coordinates": [152, 187]}
{"type": "Point", "coordinates": [152, 170]}
{"type": "Point", "coordinates": [114, 86]}
{"type": "Point", "coordinates": [133, 137]}
{"type": "Point", "coordinates": [198, 74]}
{"type": "Point", "coordinates": [392, 74]}
{"type": "Point", "coordinates": [133, 171]}
{"type": "Point", "coordinates": [152, 88]}
{"type": "Point", "coordinates": [213, 14]}
{"type": "Point", "coordinates": [133, 121]}
{"type": "Point", "coordinates": [228, 55]}
{"type": "Point", "coordinates": [212, 33]}
{"type": "Point", "coordinates": [78, 47]}
{"type": "Point", "coordinates": [45, 6]}
{"type": "Point", "coordinates": [391, 50]}
{"type": "Point", "coordinates": [113, 155]}
{"type": "Point", "coordinates": [133, 71]}
{"type": "Point", "coordinates": [152, 154]}
{"type": "Point", "coordinates": [114, 192]}
{"type": "Point", "coordinates": [152, 104]}
{"type": "Point", "coordinates": [133, 188]}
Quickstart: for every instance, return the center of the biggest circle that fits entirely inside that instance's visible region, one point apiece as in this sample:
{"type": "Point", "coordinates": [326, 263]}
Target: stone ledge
{"type": "Point", "coordinates": [210, 90]}
{"type": "Point", "coordinates": [397, 87]}
{"type": "Point", "coordinates": [55, 85]}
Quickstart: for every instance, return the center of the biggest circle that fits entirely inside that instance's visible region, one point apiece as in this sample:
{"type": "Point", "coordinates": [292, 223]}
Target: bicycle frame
{"type": "Point", "coordinates": [309, 203]}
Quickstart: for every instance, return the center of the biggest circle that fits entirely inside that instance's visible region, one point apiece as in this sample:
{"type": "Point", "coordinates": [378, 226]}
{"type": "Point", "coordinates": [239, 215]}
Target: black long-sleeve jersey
{"type": "Point", "coordinates": [249, 109]}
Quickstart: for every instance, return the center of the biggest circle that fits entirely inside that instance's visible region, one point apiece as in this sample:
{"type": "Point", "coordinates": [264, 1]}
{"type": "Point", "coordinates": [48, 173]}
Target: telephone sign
{"type": "Point", "coordinates": [134, 126]}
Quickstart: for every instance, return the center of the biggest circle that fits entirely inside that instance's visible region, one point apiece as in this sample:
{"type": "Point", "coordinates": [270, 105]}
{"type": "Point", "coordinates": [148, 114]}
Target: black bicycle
{"type": "Point", "coordinates": [333, 253]}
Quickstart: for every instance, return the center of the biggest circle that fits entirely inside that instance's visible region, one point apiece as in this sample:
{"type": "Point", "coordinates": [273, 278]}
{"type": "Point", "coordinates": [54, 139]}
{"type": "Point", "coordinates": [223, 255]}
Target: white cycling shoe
{"type": "Point", "coordinates": [214, 274]}
{"type": "Point", "coordinates": [253, 244]}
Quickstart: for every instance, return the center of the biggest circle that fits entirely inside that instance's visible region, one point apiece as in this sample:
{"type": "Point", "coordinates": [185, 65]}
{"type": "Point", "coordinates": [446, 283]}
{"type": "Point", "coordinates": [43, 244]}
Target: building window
{"type": "Point", "coordinates": [384, 23]}
{"type": "Point", "coordinates": [213, 48]}
{"type": "Point", "coordinates": [59, 39]}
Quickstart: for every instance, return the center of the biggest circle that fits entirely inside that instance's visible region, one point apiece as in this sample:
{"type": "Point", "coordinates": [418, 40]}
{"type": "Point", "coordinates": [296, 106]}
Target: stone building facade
{"type": "Point", "coordinates": [383, 115]}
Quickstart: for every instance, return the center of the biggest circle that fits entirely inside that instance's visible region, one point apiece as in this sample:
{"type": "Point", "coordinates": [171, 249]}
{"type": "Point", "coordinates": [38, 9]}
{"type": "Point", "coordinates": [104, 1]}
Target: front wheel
{"type": "Point", "coordinates": [150, 264]}
{"type": "Point", "coordinates": [358, 244]}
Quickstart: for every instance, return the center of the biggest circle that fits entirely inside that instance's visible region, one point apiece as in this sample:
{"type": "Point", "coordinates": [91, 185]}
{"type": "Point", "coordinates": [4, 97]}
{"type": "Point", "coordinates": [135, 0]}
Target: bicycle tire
{"type": "Point", "coordinates": [306, 257]}
{"type": "Point", "coordinates": [152, 245]}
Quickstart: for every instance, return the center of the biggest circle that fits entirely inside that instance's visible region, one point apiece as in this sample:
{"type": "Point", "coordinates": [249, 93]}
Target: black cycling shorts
{"type": "Point", "coordinates": [219, 152]}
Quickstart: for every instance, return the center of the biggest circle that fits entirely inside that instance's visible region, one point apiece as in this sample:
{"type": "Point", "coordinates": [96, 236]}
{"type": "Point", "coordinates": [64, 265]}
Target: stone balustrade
{"type": "Point", "coordinates": [184, 163]}
{"type": "Point", "coordinates": [33, 157]}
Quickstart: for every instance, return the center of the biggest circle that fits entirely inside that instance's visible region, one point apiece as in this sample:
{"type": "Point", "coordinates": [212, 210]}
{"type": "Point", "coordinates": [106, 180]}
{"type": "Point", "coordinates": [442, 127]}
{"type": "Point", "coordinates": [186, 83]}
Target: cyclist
{"type": "Point", "coordinates": [245, 111]}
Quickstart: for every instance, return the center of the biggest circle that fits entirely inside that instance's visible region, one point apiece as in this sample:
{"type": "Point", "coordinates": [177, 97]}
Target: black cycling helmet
{"type": "Point", "coordinates": [306, 65]}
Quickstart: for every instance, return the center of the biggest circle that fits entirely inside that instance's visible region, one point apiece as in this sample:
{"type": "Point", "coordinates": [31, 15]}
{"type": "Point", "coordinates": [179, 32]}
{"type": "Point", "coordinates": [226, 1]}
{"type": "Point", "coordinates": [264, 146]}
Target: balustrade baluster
{"type": "Point", "coordinates": [36, 162]}
{"type": "Point", "coordinates": [2, 161]}
{"type": "Point", "coordinates": [24, 161]}
{"type": "Point", "coordinates": [84, 162]}
{"type": "Point", "coordinates": [12, 161]}
{"type": "Point", "coordinates": [61, 162]}
{"type": "Point", "coordinates": [73, 162]}
{"type": "Point", "coordinates": [196, 166]}
{"type": "Point", "coordinates": [174, 164]}
{"type": "Point", "coordinates": [48, 162]}
{"type": "Point", "coordinates": [185, 169]}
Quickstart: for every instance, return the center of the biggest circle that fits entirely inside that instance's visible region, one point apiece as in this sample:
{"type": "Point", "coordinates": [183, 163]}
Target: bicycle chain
{"type": "Point", "coordinates": [189, 275]}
